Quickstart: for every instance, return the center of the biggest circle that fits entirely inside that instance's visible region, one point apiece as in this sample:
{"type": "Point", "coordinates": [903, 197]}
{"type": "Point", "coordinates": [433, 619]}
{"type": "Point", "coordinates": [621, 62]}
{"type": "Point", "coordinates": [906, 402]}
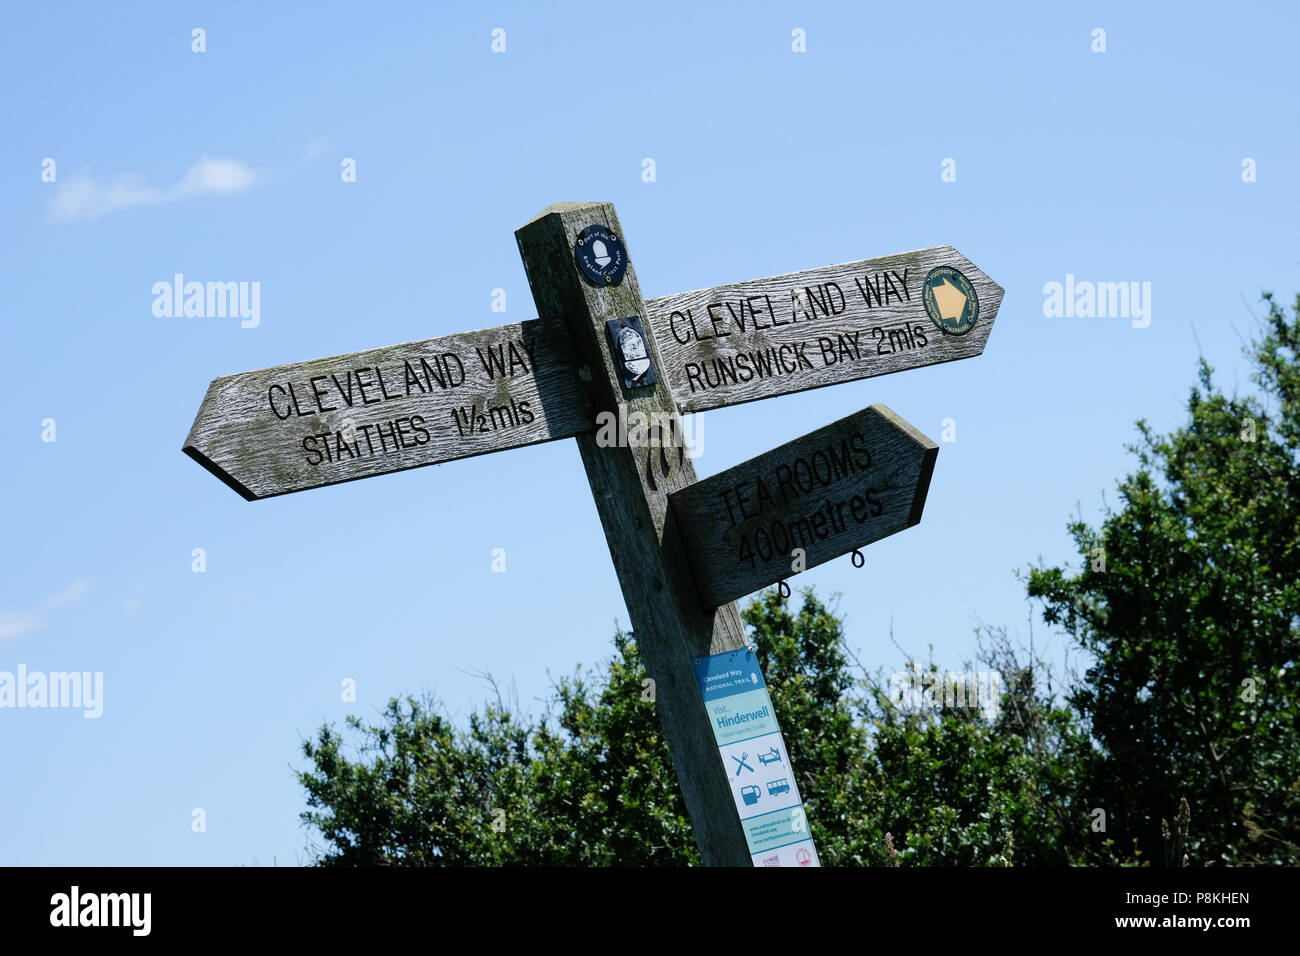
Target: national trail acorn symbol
{"type": "Point", "coordinates": [601, 255]}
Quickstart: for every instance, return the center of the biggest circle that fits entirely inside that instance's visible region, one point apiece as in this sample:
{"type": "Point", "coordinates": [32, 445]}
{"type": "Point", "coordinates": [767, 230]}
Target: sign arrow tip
{"type": "Point", "coordinates": [220, 472]}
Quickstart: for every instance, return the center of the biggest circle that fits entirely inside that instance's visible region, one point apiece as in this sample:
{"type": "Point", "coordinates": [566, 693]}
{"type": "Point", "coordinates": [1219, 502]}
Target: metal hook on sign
{"type": "Point", "coordinates": [858, 558]}
{"type": "Point", "coordinates": [783, 589]}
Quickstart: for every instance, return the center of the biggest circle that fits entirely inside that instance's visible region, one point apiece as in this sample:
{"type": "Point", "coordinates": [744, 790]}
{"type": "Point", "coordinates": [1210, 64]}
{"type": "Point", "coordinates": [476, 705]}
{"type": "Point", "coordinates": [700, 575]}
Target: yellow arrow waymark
{"type": "Point", "coordinates": [950, 299]}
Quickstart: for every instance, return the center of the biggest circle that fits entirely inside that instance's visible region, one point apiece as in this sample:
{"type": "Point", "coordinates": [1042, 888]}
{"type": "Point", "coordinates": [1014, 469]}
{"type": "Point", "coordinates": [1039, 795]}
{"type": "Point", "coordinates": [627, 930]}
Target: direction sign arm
{"type": "Point", "coordinates": [826, 493]}
{"type": "Point", "coordinates": [752, 340]}
{"type": "Point", "coordinates": [330, 420]}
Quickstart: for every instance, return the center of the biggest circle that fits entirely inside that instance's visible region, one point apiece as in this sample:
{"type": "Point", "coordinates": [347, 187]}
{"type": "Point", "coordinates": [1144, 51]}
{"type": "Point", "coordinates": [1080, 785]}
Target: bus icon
{"type": "Point", "coordinates": [778, 786]}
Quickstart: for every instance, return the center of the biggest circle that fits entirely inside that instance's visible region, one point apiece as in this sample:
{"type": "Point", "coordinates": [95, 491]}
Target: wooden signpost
{"type": "Point", "coordinates": [683, 550]}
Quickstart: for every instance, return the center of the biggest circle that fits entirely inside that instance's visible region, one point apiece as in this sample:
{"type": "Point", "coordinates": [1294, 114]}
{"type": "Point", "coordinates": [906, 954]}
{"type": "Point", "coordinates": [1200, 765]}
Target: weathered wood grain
{"type": "Point", "coordinates": [630, 483]}
{"type": "Point", "coordinates": [389, 409]}
{"type": "Point", "coordinates": [722, 355]}
{"type": "Point", "coordinates": [840, 487]}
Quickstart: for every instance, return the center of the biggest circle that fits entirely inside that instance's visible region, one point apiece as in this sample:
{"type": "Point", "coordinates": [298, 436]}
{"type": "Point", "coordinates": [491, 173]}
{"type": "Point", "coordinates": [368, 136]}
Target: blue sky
{"type": "Point", "coordinates": [225, 165]}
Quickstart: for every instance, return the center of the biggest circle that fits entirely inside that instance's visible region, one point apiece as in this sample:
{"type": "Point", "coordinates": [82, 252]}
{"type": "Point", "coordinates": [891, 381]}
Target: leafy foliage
{"type": "Point", "coordinates": [592, 782]}
{"type": "Point", "coordinates": [1193, 620]}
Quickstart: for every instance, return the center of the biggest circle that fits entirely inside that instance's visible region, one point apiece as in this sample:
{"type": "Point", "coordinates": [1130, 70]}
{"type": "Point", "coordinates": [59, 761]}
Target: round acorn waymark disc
{"type": "Point", "coordinates": [601, 255]}
{"type": "Point", "coordinates": [950, 300]}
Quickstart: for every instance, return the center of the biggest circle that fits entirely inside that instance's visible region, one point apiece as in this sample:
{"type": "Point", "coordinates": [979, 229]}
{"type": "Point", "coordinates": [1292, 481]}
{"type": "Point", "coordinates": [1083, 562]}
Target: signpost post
{"type": "Point", "coordinates": [631, 487]}
{"type": "Point", "coordinates": [683, 550]}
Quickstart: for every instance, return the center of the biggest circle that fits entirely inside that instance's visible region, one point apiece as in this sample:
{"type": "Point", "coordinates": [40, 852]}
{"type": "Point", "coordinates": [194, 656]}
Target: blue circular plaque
{"type": "Point", "coordinates": [601, 255]}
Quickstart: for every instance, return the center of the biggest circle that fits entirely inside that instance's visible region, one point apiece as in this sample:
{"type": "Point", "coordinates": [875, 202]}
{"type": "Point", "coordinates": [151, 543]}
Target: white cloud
{"type": "Point", "coordinates": [82, 198]}
{"type": "Point", "coordinates": [15, 625]}
{"type": "Point", "coordinates": [18, 623]}
{"type": "Point", "coordinates": [215, 176]}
